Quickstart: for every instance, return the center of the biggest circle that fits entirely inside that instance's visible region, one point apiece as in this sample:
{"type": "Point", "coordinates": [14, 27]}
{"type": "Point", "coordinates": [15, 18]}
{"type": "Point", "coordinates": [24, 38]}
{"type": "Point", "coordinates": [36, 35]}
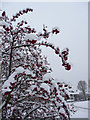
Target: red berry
{"type": "Point", "coordinates": [3, 14]}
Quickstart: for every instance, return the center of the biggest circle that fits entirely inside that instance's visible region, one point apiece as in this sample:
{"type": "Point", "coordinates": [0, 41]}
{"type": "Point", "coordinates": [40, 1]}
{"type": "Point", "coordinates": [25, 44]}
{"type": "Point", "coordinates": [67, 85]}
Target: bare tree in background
{"type": "Point", "coordinates": [89, 86]}
{"type": "Point", "coordinates": [82, 86]}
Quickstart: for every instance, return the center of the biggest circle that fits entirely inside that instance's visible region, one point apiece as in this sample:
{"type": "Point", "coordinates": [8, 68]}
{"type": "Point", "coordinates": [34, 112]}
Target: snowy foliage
{"type": "Point", "coordinates": [28, 89]}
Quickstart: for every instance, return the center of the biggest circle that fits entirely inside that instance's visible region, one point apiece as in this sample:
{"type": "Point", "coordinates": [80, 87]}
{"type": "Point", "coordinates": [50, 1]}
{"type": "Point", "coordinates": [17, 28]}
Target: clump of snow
{"type": "Point", "coordinates": [31, 37]}
{"type": "Point", "coordinates": [47, 77]}
{"type": "Point", "coordinates": [55, 28]}
{"type": "Point", "coordinates": [2, 105]}
{"type": "Point", "coordinates": [7, 84]}
{"type": "Point", "coordinates": [45, 87]}
{"type": "Point", "coordinates": [39, 35]}
{"type": "Point", "coordinates": [30, 90]}
{"type": "Point", "coordinates": [4, 23]}
{"type": "Point", "coordinates": [32, 87]}
{"type": "Point", "coordinates": [54, 84]}
{"type": "Point", "coordinates": [29, 72]}
{"type": "Point", "coordinates": [19, 70]}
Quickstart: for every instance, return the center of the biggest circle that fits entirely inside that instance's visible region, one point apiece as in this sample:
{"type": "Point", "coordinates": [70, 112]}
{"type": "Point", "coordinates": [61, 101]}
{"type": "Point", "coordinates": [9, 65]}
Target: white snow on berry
{"type": "Point", "coordinates": [4, 23]}
{"type": "Point", "coordinates": [6, 85]}
{"type": "Point", "coordinates": [47, 77]}
{"type": "Point", "coordinates": [55, 28]}
{"type": "Point", "coordinates": [45, 87]}
{"type": "Point", "coordinates": [31, 37]}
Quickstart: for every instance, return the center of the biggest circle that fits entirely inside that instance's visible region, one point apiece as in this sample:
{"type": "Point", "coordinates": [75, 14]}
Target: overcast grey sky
{"type": "Point", "coordinates": [72, 19]}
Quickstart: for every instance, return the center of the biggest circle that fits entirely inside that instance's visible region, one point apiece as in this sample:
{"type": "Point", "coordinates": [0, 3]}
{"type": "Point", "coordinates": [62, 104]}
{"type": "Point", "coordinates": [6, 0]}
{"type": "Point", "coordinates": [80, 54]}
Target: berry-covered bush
{"type": "Point", "coordinates": [29, 92]}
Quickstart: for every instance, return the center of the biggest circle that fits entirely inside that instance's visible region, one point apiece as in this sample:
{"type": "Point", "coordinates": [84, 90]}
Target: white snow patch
{"type": "Point", "coordinates": [19, 70]}
{"type": "Point", "coordinates": [31, 37]}
{"type": "Point", "coordinates": [2, 105]}
{"type": "Point", "coordinates": [54, 28]}
{"type": "Point", "coordinates": [7, 83]}
{"type": "Point", "coordinates": [4, 23]}
{"type": "Point", "coordinates": [82, 109]}
{"type": "Point", "coordinates": [47, 77]}
{"type": "Point", "coordinates": [11, 79]}
{"type": "Point", "coordinates": [39, 37]}
{"type": "Point", "coordinates": [28, 72]}
{"type": "Point", "coordinates": [32, 87]}
{"type": "Point", "coordinates": [46, 87]}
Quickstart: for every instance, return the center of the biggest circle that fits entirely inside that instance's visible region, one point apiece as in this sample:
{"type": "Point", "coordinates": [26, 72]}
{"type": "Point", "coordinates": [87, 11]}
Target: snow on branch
{"type": "Point", "coordinates": [6, 88]}
{"type": "Point", "coordinates": [1, 106]}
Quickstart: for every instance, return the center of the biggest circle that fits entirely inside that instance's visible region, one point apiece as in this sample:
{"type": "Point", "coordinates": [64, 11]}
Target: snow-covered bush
{"type": "Point", "coordinates": [28, 89]}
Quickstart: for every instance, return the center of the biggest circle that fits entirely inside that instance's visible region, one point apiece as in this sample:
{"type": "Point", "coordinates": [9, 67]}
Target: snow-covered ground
{"type": "Point", "coordinates": [82, 109]}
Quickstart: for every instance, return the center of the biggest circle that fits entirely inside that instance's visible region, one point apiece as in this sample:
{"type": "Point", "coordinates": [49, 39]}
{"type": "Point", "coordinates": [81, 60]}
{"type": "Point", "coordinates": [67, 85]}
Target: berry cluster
{"type": "Point", "coordinates": [21, 13]}
{"type": "Point", "coordinates": [64, 56]}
